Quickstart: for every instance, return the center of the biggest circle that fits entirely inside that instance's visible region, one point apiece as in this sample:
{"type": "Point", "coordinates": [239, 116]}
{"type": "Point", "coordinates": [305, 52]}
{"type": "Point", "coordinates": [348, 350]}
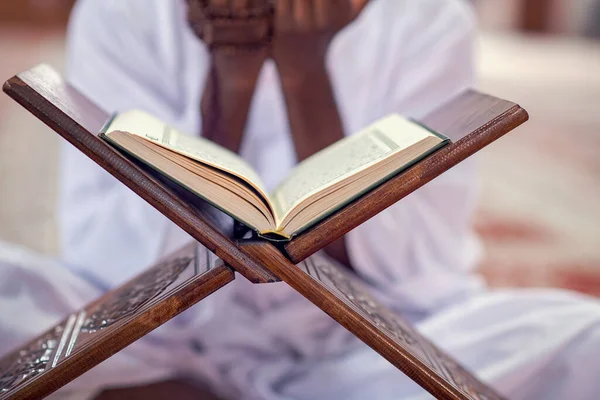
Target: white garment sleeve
{"type": "Point", "coordinates": [116, 59]}
{"type": "Point", "coordinates": [418, 252]}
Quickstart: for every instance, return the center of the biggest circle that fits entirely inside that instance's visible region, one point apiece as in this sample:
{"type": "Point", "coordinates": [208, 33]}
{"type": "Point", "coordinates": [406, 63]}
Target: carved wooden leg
{"type": "Point", "coordinates": [91, 335]}
{"type": "Point", "coordinates": [346, 299]}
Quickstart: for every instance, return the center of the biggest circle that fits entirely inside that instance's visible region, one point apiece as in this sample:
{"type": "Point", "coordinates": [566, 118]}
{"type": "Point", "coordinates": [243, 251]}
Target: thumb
{"type": "Point", "coordinates": [357, 7]}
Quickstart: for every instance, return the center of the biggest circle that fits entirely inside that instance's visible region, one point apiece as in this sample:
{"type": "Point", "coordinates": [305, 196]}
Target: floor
{"type": "Point", "coordinates": [28, 150]}
{"type": "Point", "coordinates": [539, 216]}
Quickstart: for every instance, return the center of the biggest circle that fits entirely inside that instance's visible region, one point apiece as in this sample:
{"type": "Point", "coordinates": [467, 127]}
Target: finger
{"type": "Point", "coordinates": [239, 8]}
{"type": "Point", "coordinates": [259, 8]}
{"type": "Point", "coordinates": [247, 32]}
{"type": "Point", "coordinates": [218, 3]}
{"type": "Point", "coordinates": [195, 16]}
{"type": "Point", "coordinates": [303, 14]}
{"type": "Point", "coordinates": [321, 10]}
{"type": "Point", "coordinates": [196, 6]}
{"type": "Point", "coordinates": [283, 14]}
{"type": "Point", "coordinates": [217, 8]}
{"type": "Point", "coordinates": [239, 5]}
{"type": "Point", "coordinates": [259, 4]}
{"type": "Point", "coordinates": [358, 6]}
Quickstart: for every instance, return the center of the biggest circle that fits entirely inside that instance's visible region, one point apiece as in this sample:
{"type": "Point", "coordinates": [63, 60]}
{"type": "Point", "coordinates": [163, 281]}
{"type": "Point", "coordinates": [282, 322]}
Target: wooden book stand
{"type": "Point", "coordinates": [88, 337]}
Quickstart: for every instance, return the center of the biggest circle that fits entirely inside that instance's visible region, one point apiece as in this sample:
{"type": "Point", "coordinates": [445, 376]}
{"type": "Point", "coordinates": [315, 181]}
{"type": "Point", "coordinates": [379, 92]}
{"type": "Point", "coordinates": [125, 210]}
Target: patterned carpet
{"type": "Point", "coordinates": [539, 215]}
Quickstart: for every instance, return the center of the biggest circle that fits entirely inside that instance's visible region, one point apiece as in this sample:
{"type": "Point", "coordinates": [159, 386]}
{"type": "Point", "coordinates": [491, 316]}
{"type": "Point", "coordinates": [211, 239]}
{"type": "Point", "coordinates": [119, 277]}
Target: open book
{"type": "Point", "coordinates": [315, 188]}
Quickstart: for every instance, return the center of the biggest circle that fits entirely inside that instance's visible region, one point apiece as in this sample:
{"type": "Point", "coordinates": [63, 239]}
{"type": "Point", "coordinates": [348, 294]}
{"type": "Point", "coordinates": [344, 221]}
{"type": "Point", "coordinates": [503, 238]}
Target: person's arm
{"type": "Point", "coordinates": [302, 34]}
{"type": "Point", "coordinates": [228, 93]}
{"type": "Point", "coordinates": [237, 35]}
{"type": "Point", "coordinates": [313, 117]}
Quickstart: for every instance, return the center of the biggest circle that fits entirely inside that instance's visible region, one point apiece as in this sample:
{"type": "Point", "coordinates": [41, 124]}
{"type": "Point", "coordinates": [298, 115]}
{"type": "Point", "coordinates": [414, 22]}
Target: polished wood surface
{"type": "Point", "coordinates": [43, 92]}
{"type": "Point", "coordinates": [89, 336]}
{"type": "Point", "coordinates": [346, 299]}
{"type": "Point", "coordinates": [476, 119]}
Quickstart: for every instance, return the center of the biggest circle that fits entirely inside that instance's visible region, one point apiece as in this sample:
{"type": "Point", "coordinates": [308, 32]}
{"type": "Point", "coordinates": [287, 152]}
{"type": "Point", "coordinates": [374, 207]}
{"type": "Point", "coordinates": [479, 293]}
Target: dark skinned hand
{"type": "Point", "coordinates": [303, 29]}
{"type": "Point", "coordinates": [302, 33]}
{"type": "Point", "coordinates": [237, 32]}
{"type": "Point", "coordinates": [231, 24]}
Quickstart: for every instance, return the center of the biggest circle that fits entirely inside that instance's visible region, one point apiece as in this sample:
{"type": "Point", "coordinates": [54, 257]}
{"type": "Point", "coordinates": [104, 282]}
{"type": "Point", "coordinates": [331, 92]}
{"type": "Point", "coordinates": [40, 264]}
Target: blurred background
{"type": "Point", "coordinates": [539, 215]}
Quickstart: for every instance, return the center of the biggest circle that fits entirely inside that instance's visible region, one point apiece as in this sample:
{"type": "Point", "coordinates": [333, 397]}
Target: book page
{"type": "Point", "coordinates": [346, 158]}
{"type": "Point", "coordinates": [144, 125]}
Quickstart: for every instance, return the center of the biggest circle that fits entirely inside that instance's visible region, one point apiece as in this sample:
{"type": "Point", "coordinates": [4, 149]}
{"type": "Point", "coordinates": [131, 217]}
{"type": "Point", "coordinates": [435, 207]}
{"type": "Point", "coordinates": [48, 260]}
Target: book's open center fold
{"type": "Point", "coordinates": [315, 188]}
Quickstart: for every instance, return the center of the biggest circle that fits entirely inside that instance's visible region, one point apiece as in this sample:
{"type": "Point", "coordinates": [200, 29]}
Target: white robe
{"type": "Point", "coordinates": [266, 341]}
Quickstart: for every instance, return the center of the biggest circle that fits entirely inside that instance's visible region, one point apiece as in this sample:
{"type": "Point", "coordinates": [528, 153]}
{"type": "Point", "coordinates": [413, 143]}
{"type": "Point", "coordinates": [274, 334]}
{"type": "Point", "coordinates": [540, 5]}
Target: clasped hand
{"type": "Point", "coordinates": [292, 31]}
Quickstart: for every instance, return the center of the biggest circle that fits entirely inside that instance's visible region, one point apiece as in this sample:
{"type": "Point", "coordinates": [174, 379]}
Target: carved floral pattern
{"type": "Point", "coordinates": [130, 298]}
{"type": "Point", "coordinates": [403, 333]}
{"type": "Point", "coordinates": [29, 361]}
